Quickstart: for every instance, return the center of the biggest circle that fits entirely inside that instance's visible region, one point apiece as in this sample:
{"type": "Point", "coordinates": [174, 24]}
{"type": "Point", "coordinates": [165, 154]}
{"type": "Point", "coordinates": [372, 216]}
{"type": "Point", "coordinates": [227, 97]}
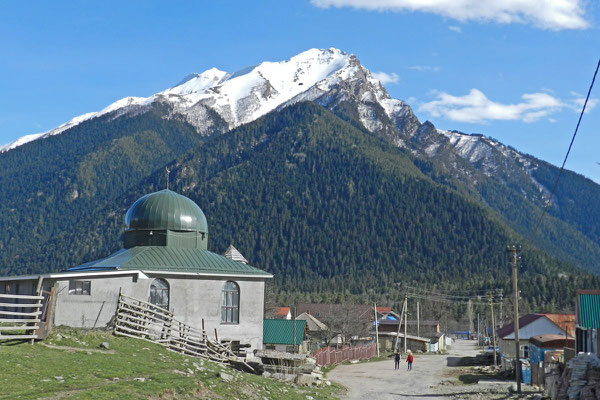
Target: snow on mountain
{"type": "Point", "coordinates": [241, 97]}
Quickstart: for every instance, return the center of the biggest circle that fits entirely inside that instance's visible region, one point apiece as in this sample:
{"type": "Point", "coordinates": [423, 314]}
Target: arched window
{"type": "Point", "coordinates": [159, 293]}
{"type": "Point", "coordinates": [230, 303]}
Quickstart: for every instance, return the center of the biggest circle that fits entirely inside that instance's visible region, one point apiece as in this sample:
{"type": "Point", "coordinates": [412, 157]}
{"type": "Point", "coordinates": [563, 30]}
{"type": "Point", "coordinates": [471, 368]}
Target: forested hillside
{"type": "Point", "coordinates": [324, 205]}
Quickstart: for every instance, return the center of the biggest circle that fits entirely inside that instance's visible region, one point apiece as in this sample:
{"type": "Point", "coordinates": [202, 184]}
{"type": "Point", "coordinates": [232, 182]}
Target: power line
{"type": "Point", "coordinates": [568, 151]}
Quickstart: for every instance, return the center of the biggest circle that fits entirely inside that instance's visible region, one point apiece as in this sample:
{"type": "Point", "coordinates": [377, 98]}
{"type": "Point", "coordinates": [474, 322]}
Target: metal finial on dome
{"type": "Point", "coordinates": [167, 172]}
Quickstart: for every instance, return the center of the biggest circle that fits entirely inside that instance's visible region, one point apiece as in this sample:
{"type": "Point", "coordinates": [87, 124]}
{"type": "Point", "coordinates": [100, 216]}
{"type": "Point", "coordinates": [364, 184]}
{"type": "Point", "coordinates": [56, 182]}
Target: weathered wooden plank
{"type": "Point", "coordinates": [24, 314]}
{"type": "Point", "coordinates": [145, 327]}
{"type": "Point", "coordinates": [20, 305]}
{"type": "Point", "coordinates": [144, 312]}
{"type": "Point", "coordinates": [17, 320]}
{"type": "Point", "coordinates": [153, 306]}
{"type": "Point", "coordinates": [18, 337]}
{"type": "Point", "coordinates": [20, 296]}
{"type": "Point", "coordinates": [146, 317]}
{"type": "Point", "coordinates": [16, 328]}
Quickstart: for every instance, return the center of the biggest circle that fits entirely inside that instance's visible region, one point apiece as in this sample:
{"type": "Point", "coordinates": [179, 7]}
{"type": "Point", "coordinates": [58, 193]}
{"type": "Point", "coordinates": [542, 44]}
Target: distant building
{"type": "Point", "coordinates": [164, 261]}
{"type": "Point", "coordinates": [587, 322]}
{"type": "Point", "coordinates": [284, 335]}
{"type": "Point", "coordinates": [282, 312]}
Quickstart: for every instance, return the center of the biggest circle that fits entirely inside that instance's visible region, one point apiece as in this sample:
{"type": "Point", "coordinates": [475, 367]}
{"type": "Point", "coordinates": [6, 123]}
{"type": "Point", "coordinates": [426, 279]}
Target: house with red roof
{"type": "Point", "coordinates": [282, 313]}
{"type": "Point", "coordinates": [531, 325]}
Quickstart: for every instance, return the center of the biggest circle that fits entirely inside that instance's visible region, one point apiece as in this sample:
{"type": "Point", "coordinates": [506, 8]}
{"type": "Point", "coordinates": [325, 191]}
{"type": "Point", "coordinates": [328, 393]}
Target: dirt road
{"type": "Point", "coordinates": [378, 380]}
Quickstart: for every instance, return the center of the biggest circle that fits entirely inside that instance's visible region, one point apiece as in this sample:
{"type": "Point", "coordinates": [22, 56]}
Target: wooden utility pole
{"type": "Point", "coordinates": [478, 332]}
{"type": "Point", "coordinates": [294, 330]}
{"type": "Point", "coordinates": [513, 252]}
{"type": "Point", "coordinates": [376, 328]}
{"type": "Point", "coordinates": [470, 316]}
{"type": "Point", "coordinates": [418, 321]}
{"type": "Point", "coordinates": [399, 325]}
{"type": "Point", "coordinates": [493, 330]}
{"type": "Point", "coordinates": [501, 313]}
{"type": "Point", "coordinates": [405, 320]}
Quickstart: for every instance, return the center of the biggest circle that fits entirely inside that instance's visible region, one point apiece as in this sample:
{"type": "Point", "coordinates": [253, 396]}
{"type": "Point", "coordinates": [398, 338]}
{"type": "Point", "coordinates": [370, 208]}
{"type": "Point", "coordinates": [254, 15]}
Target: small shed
{"type": "Point", "coordinates": [284, 335]}
{"type": "Point", "coordinates": [545, 350]}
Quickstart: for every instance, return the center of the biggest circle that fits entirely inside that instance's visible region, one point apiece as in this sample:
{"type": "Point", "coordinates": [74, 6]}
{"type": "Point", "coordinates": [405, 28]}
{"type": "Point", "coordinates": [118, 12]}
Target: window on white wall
{"type": "Point", "coordinates": [230, 303]}
{"type": "Point", "coordinates": [159, 293]}
{"type": "Point", "coordinates": [80, 287]}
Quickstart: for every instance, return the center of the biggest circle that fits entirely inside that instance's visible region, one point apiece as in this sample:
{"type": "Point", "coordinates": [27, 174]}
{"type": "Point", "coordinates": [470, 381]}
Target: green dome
{"type": "Point", "coordinates": [165, 210]}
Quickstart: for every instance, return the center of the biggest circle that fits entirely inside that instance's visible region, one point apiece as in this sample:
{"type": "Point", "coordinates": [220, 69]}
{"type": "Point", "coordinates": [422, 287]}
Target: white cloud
{"type": "Point", "coordinates": [577, 104]}
{"type": "Point", "coordinates": [546, 14]}
{"type": "Point", "coordinates": [424, 68]}
{"type": "Point", "coordinates": [386, 78]}
{"type": "Point", "coordinates": [475, 107]}
{"type": "Point", "coordinates": [455, 28]}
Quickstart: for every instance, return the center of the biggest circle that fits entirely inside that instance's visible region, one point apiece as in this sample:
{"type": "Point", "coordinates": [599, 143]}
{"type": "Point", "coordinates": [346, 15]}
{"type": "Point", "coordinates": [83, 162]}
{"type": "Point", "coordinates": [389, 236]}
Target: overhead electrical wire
{"type": "Point", "coordinates": [568, 151]}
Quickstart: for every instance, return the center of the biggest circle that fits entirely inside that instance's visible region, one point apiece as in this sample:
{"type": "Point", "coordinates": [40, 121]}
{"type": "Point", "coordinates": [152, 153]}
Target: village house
{"type": "Point", "coordinates": [282, 312]}
{"type": "Point", "coordinates": [346, 323]}
{"type": "Point", "coordinates": [164, 261]}
{"type": "Point", "coordinates": [531, 325]}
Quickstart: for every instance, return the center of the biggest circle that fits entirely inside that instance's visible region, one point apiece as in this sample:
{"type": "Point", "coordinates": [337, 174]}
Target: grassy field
{"type": "Point", "coordinates": [70, 364]}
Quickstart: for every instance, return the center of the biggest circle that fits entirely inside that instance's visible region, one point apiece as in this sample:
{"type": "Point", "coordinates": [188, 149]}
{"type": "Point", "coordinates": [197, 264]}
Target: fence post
{"type": "Point", "coordinates": [38, 292]}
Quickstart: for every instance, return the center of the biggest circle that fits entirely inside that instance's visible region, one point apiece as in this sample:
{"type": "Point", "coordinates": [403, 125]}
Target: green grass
{"type": "Point", "coordinates": [130, 369]}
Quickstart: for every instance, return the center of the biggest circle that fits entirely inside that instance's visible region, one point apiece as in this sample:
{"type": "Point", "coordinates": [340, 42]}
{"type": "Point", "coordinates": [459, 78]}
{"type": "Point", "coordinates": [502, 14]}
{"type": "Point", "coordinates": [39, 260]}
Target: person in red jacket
{"type": "Point", "coordinates": [409, 360]}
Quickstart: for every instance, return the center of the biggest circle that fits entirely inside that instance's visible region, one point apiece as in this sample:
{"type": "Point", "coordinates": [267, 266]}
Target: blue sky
{"type": "Point", "coordinates": [516, 72]}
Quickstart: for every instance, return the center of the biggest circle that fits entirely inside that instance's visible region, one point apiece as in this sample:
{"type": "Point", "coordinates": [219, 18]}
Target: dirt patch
{"type": "Point", "coordinates": [71, 349]}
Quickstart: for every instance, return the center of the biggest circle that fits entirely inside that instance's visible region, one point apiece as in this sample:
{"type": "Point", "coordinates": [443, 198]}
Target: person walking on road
{"type": "Point", "coordinates": [409, 360]}
{"type": "Point", "coordinates": [397, 361]}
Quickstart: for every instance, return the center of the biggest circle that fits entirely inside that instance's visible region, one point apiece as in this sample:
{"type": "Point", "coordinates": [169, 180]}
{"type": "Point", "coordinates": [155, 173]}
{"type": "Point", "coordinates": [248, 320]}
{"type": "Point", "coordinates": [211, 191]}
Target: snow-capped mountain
{"type": "Point", "coordinates": [326, 76]}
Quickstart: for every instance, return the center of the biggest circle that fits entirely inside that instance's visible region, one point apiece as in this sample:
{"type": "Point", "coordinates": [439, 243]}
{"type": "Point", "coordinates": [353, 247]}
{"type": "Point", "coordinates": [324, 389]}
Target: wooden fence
{"type": "Point", "coordinates": [142, 320]}
{"type": "Point", "coordinates": [333, 355]}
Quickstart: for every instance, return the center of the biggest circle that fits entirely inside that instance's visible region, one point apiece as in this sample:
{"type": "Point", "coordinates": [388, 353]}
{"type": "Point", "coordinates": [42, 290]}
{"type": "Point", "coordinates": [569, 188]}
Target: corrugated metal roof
{"type": "Point", "coordinates": [523, 321]}
{"type": "Point", "coordinates": [566, 322]}
{"type": "Point", "coordinates": [588, 310]}
{"type": "Point", "coordinates": [281, 331]}
{"type": "Point", "coordinates": [551, 341]}
{"type": "Point", "coordinates": [175, 259]}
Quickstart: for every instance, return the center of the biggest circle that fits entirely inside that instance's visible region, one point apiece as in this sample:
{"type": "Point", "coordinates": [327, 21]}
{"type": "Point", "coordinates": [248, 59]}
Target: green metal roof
{"type": "Point", "coordinates": [588, 313]}
{"type": "Point", "coordinates": [165, 210]}
{"type": "Point", "coordinates": [172, 259]}
{"type": "Point", "coordinates": [281, 331]}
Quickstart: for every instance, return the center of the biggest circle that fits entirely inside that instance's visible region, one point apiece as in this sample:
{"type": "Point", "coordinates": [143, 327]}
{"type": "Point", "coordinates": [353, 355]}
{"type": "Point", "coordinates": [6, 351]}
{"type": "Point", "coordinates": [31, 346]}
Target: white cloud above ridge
{"type": "Point", "coordinates": [455, 28]}
{"type": "Point", "coordinates": [424, 68]}
{"type": "Point", "coordinates": [475, 107]}
{"type": "Point", "coordinates": [545, 14]}
{"type": "Point", "coordinates": [386, 78]}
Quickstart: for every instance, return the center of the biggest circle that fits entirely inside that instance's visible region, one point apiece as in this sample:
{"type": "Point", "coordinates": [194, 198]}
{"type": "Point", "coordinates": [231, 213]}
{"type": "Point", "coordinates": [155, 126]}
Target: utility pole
{"type": "Point", "coordinates": [493, 331]}
{"type": "Point", "coordinates": [376, 328]}
{"type": "Point", "coordinates": [513, 252]}
{"type": "Point", "coordinates": [478, 332]}
{"type": "Point", "coordinates": [418, 321]}
{"type": "Point", "coordinates": [399, 325]}
{"type": "Point", "coordinates": [294, 330]}
{"type": "Point", "coordinates": [405, 320]}
{"type": "Point", "coordinates": [470, 316]}
{"type": "Point", "coordinates": [501, 314]}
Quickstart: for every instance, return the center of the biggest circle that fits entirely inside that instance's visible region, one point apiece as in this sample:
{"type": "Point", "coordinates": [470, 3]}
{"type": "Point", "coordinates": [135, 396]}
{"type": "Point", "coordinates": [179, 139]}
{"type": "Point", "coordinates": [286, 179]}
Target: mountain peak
{"type": "Point", "coordinates": [320, 75]}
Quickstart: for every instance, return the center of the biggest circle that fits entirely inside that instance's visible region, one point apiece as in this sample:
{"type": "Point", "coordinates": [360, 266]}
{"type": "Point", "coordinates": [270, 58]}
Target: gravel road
{"type": "Point", "coordinates": [378, 380]}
